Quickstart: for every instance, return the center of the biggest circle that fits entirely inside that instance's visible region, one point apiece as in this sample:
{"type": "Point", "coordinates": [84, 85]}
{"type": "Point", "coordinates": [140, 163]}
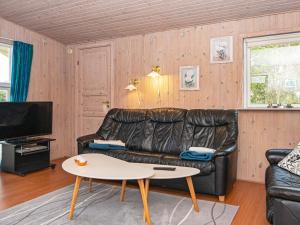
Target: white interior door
{"type": "Point", "coordinates": [95, 87]}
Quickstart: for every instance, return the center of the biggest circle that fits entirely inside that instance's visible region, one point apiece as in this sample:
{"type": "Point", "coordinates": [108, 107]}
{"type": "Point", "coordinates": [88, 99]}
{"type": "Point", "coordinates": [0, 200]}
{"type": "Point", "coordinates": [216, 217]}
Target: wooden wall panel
{"type": "Point", "coordinates": [221, 85]}
{"type": "Point", "coordinates": [262, 130]}
{"type": "Point", "coordinates": [48, 82]}
{"type": "Point", "coordinates": [170, 50]}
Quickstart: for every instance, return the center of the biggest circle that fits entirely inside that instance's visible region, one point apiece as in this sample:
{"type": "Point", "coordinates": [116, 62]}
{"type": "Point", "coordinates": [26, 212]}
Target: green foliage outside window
{"type": "Point", "coordinates": [3, 96]}
{"type": "Point", "coordinates": [280, 65]}
{"type": "Point", "coordinates": [258, 93]}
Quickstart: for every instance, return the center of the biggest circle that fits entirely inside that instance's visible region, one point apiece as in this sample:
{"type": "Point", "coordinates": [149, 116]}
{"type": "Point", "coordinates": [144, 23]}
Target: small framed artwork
{"type": "Point", "coordinates": [189, 78]}
{"type": "Point", "coordinates": [221, 49]}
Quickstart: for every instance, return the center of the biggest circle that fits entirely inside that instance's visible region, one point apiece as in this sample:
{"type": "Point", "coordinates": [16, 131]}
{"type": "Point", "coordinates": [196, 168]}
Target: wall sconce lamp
{"type": "Point", "coordinates": [133, 83]}
{"type": "Point", "coordinates": [155, 72]}
{"type": "Point", "coordinates": [133, 86]}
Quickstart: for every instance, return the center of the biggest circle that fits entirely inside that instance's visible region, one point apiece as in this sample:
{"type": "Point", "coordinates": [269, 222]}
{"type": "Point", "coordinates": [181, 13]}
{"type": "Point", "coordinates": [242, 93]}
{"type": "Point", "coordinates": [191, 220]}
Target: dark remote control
{"type": "Point", "coordinates": [165, 168]}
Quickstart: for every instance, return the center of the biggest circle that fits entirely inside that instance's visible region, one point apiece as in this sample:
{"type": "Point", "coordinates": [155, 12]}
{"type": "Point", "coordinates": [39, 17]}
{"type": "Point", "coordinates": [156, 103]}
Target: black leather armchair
{"type": "Point", "coordinates": [159, 135]}
{"type": "Point", "coordinates": [283, 191]}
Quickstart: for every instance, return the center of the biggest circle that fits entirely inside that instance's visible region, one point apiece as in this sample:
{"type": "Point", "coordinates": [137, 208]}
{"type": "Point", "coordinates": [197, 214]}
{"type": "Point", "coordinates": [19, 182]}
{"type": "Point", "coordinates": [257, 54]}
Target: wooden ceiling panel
{"type": "Point", "coordinates": [85, 20]}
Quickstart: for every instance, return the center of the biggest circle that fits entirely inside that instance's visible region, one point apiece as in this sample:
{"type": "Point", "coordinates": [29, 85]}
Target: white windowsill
{"type": "Point", "coordinates": [269, 109]}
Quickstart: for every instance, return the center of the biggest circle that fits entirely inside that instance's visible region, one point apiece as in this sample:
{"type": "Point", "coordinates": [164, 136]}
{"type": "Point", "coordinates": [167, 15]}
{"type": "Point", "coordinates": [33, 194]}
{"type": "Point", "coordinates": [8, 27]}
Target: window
{"type": "Point", "coordinates": [5, 71]}
{"type": "Point", "coordinates": [272, 70]}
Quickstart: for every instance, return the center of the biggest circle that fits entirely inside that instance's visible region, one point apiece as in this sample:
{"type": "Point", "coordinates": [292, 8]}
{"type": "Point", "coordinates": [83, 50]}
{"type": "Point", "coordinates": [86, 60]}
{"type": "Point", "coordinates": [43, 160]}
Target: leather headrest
{"type": "Point", "coordinates": [167, 115]}
{"type": "Point", "coordinates": [211, 118]}
{"type": "Point", "coordinates": [127, 115]}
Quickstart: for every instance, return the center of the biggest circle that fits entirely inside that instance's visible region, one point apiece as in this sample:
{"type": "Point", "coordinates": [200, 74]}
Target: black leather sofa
{"type": "Point", "coordinates": [159, 135]}
{"type": "Point", "coordinates": [283, 191]}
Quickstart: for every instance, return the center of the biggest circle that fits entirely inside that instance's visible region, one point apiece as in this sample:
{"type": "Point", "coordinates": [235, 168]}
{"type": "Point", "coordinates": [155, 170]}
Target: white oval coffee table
{"type": "Point", "coordinates": [179, 172]}
{"type": "Point", "coordinates": [104, 167]}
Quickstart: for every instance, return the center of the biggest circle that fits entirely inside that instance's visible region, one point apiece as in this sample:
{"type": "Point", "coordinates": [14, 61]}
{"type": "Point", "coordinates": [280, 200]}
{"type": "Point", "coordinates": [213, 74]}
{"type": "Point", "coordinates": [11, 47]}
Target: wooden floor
{"type": "Point", "coordinates": [14, 190]}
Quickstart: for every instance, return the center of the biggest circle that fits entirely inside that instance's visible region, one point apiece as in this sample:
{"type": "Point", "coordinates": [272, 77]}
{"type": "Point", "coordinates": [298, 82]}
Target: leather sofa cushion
{"type": "Point", "coordinates": [156, 158]}
{"type": "Point", "coordinates": [163, 130]}
{"type": "Point", "coordinates": [210, 128]}
{"type": "Point", "coordinates": [129, 156]}
{"type": "Point", "coordinates": [205, 167]}
{"type": "Point", "coordinates": [124, 124]}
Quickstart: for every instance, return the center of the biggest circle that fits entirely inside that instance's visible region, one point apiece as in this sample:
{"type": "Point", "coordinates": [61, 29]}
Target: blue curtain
{"type": "Point", "coordinates": [21, 68]}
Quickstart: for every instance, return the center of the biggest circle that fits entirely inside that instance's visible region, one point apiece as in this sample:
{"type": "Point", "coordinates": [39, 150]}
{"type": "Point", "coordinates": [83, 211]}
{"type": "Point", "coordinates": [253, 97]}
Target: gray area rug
{"type": "Point", "coordinates": [102, 206]}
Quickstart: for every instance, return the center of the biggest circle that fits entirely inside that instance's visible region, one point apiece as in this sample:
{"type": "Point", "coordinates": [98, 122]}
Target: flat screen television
{"type": "Point", "coordinates": [25, 119]}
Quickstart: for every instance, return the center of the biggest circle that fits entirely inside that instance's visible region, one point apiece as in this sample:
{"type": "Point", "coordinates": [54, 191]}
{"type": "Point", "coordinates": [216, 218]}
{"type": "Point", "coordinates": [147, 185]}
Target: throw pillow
{"type": "Point", "coordinates": [292, 161]}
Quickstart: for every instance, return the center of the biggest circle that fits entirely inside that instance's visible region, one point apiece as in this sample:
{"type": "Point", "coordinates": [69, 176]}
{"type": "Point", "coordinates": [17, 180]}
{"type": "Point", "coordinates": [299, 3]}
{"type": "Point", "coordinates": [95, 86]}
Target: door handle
{"type": "Point", "coordinates": [106, 103]}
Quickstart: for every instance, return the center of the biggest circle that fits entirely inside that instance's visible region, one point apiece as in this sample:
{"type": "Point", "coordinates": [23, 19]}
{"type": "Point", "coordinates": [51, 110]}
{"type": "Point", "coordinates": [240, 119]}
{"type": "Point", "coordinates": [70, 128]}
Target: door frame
{"type": "Point", "coordinates": [78, 88]}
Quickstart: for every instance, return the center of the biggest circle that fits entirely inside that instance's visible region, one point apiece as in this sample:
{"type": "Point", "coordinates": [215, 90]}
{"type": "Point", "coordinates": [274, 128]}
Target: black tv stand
{"type": "Point", "coordinates": [22, 156]}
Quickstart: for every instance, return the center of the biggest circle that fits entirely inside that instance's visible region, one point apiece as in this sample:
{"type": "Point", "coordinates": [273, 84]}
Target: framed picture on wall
{"type": "Point", "coordinates": [221, 49]}
{"type": "Point", "coordinates": [189, 78]}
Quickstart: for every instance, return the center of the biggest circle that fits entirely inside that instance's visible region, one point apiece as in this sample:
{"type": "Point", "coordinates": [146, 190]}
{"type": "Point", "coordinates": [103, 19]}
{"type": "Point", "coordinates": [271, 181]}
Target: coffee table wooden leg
{"type": "Point", "coordinates": [147, 183]}
{"type": "Point", "coordinates": [90, 184]}
{"type": "Point", "coordinates": [123, 190]}
{"type": "Point", "coordinates": [74, 198]}
{"type": "Point", "coordinates": [144, 199]}
{"type": "Point", "coordinates": [192, 192]}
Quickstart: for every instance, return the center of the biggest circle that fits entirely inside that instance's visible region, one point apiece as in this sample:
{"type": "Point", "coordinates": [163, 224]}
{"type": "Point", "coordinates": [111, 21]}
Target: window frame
{"type": "Point", "coordinates": [7, 85]}
{"type": "Point", "coordinates": [249, 42]}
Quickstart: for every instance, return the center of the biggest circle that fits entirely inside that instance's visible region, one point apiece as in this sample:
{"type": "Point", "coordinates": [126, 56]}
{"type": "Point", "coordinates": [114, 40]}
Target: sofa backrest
{"type": "Point", "coordinates": [126, 125]}
{"type": "Point", "coordinates": [163, 130]}
{"type": "Point", "coordinates": [210, 128]}
{"type": "Point", "coordinates": [170, 130]}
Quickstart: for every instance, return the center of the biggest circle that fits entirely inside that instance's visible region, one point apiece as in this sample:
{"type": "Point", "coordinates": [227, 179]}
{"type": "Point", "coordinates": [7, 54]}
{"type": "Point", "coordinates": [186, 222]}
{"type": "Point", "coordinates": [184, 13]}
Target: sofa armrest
{"type": "Point", "coordinates": [225, 169]}
{"type": "Point", "coordinates": [226, 150]}
{"type": "Point", "coordinates": [285, 212]}
{"type": "Point", "coordinates": [287, 193]}
{"type": "Point", "coordinates": [83, 141]}
{"type": "Point", "coordinates": [87, 138]}
{"type": "Point", "coordinates": [274, 156]}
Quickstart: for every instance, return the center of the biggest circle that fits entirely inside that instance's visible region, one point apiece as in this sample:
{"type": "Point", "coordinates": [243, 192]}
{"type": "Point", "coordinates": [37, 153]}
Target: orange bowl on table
{"type": "Point", "coordinates": [80, 163]}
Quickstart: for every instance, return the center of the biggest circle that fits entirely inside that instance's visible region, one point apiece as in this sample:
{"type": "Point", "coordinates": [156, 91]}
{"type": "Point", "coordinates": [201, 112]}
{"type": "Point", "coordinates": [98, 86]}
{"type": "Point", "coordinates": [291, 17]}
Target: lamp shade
{"type": "Point", "coordinates": [131, 87]}
{"type": "Point", "coordinates": [153, 74]}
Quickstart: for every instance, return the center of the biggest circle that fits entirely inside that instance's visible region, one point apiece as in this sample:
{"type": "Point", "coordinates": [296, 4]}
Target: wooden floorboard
{"type": "Point", "coordinates": [15, 190]}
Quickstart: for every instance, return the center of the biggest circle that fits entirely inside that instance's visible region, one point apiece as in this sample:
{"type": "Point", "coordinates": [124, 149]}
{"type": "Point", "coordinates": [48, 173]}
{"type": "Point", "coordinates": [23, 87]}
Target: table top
{"type": "Point", "coordinates": [104, 167]}
{"type": "Point", "coordinates": [179, 172]}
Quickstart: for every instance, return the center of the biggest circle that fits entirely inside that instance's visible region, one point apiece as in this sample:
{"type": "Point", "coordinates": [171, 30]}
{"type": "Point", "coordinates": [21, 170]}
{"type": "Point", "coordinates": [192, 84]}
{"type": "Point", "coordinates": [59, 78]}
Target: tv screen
{"type": "Point", "coordinates": [22, 119]}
